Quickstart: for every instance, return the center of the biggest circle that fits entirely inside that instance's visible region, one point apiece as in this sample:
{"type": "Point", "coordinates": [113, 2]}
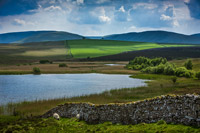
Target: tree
{"type": "Point", "coordinates": [36, 70]}
{"type": "Point", "coordinates": [174, 79]}
{"type": "Point", "coordinates": [198, 75]}
{"type": "Point", "coordinates": [188, 64]}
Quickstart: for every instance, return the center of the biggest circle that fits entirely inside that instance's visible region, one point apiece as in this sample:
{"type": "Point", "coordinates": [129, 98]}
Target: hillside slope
{"type": "Point", "coordinates": [37, 36]}
{"type": "Point", "coordinates": [156, 37]}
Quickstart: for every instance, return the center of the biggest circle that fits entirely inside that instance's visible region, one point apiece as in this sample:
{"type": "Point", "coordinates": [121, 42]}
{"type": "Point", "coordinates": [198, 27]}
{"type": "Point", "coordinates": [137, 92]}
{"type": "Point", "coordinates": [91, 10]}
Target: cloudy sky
{"type": "Point", "coordinates": [100, 17]}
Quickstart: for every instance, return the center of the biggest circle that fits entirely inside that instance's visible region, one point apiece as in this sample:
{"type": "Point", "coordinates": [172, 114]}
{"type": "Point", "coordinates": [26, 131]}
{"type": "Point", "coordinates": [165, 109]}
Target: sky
{"type": "Point", "coordinates": [100, 17]}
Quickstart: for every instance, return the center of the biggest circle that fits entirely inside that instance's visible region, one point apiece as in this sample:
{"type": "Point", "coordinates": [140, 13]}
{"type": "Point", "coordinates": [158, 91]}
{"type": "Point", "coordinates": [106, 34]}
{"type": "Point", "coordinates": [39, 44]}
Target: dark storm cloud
{"type": "Point", "coordinates": [194, 7]}
{"type": "Point", "coordinates": [15, 7]}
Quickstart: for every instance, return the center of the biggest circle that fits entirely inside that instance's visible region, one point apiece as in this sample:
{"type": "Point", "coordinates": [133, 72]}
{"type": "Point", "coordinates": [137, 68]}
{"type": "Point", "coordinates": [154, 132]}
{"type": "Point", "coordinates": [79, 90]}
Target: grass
{"type": "Point", "coordinates": [94, 48]}
{"type": "Point", "coordinates": [33, 125]}
{"type": "Point", "coordinates": [72, 67]}
{"type": "Point", "coordinates": [12, 54]}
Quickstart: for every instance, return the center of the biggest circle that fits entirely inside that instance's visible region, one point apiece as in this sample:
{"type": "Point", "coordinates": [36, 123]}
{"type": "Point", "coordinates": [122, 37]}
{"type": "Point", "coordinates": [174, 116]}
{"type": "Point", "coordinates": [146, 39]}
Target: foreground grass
{"type": "Point", "coordinates": [32, 125]}
{"type": "Point", "coordinates": [94, 48]}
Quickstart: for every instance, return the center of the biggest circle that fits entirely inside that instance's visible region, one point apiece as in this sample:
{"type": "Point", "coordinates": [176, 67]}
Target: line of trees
{"type": "Point", "coordinates": [162, 66]}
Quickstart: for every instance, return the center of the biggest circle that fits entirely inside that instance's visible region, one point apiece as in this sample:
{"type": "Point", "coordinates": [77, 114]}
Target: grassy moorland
{"type": "Point", "coordinates": [27, 53]}
{"type": "Point", "coordinates": [13, 54]}
{"type": "Point", "coordinates": [72, 67]}
{"type": "Point", "coordinates": [33, 125]}
{"type": "Point", "coordinates": [95, 48]}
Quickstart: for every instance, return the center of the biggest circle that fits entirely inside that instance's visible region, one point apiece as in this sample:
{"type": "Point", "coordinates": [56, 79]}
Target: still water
{"type": "Point", "coordinates": [17, 88]}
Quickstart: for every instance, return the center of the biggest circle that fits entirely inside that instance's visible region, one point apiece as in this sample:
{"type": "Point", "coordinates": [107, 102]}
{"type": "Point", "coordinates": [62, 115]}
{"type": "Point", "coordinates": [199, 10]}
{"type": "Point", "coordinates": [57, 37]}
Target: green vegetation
{"type": "Point", "coordinates": [36, 70]}
{"type": "Point", "coordinates": [71, 125]}
{"type": "Point", "coordinates": [62, 65]}
{"type": "Point", "coordinates": [198, 75]}
{"type": "Point", "coordinates": [12, 54]}
{"type": "Point", "coordinates": [188, 64]}
{"type": "Point", "coordinates": [94, 48]}
{"type": "Point", "coordinates": [45, 61]}
{"type": "Point", "coordinates": [160, 66]}
{"type": "Point", "coordinates": [174, 79]}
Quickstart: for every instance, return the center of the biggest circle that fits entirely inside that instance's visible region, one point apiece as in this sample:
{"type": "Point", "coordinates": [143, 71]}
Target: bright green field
{"type": "Point", "coordinates": [94, 48]}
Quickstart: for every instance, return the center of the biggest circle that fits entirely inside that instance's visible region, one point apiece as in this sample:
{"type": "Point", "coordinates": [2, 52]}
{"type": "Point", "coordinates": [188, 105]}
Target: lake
{"type": "Point", "coordinates": [17, 88]}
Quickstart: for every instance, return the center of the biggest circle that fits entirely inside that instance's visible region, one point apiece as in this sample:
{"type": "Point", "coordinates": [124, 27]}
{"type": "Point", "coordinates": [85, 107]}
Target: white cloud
{"type": "Point", "coordinates": [121, 9]}
{"type": "Point", "coordinates": [186, 1]}
{"type": "Point", "coordinates": [148, 6]}
{"type": "Point", "coordinates": [175, 23]}
{"type": "Point", "coordinates": [165, 17]}
{"type": "Point", "coordinates": [101, 1]}
{"type": "Point", "coordinates": [19, 21]}
{"type": "Point", "coordinates": [80, 2]}
{"type": "Point", "coordinates": [53, 8]}
{"type": "Point", "coordinates": [22, 22]}
{"type": "Point", "coordinates": [104, 18]}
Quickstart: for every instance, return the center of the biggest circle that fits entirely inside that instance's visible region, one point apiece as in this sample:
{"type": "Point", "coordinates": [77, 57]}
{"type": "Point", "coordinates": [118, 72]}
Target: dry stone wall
{"type": "Point", "coordinates": [183, 109]}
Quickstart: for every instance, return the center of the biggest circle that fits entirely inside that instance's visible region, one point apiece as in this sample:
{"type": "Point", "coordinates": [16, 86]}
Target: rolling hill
{"type": "Point", "coordinates": [37, 36]}
{"type": "Point", "coordinates": [156, 37]}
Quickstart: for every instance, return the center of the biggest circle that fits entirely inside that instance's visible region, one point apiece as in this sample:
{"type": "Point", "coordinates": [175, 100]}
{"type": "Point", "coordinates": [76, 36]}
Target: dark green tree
{"type": "Point", "coordinates": [198, 75]}
{"type": "Point", "coordinates": [188, 64]}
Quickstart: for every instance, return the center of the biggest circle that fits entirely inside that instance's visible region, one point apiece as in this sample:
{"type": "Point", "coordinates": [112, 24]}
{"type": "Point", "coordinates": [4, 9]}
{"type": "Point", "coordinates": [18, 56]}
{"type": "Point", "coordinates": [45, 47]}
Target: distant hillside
{"type": "Point", "coordinates": [197, 35]}
{"type": "Point", "coordinates": [37, 36]}
{"type": "Point", "coordinates": [156, 37]}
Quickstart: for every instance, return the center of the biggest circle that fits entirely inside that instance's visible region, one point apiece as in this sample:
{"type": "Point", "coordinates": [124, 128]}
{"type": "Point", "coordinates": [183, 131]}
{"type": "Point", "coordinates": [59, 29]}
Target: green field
{"type": "Point", "coordinates": [73, 125]}
{"type": "Point", "coordinates": [32, 52]}
{"type": "Point", "coordinates": [62, 50]}
{"type": "Point", "coordinates": [94, 48]}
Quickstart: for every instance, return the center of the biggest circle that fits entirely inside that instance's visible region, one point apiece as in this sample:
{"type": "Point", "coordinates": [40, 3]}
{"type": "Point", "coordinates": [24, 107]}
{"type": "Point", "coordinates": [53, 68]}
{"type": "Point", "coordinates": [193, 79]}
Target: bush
{"type": "Point", "coordinates": [180, 72]}
{"type": "Point", "coordinates": [174, 79]}
{"type": "Point", "coordinates": [36, 70]}
{"type": "Point", "coordinates": [62, 65]}
{"type": "Point", "coordinates": [188, 64]}
{"type": "Point", "coordinates": [44, 61]}
{"type": "Point", "coordinates": [139, 63]}
{"type": "Point", "coordinates": [197, 75]}
{"type": "Point", "coordinates": [169, 69]}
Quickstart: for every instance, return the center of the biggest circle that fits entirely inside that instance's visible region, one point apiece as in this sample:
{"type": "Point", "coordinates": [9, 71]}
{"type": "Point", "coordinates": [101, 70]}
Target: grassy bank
{"type": "Point", "coordinates": [73, 125]}
{"type": "Point", "coordinates": [72, 67]}
{"type": "Point", "coordinates": [160, 85]}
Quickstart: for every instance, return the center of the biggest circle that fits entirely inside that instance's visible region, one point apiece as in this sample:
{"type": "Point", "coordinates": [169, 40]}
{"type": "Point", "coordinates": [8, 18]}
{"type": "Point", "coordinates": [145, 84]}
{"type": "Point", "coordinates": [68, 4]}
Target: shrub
{"type": "Point", "coordinates": [169, 69]}
{"type": "Point", "coordinates": [139, 63]}
{"type": "Point", "coordinates": [188, 64]}
{"type": "Point", "coordinates": [180, 72]}
{"type": "Point", "coordinates": [44, 61]}
{"type": "Point", "coordinates": [198, 75]}
{"type": "Point", "coordinates": [36, 70]}
{"type": "Point", "coordinates": [174, 79]}
{"type": "Point", "coordinates": [62, 65]}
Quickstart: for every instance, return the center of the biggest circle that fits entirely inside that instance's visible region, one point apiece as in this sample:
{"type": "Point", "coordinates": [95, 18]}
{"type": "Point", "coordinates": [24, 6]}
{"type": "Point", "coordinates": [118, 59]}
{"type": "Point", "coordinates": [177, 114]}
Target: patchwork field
{"type": "Point", "coordinates": [31, 52]}
{"type": "Point", "coordinates": [14, 54]}
{"type": "Point", "coordinates": [96, 48]}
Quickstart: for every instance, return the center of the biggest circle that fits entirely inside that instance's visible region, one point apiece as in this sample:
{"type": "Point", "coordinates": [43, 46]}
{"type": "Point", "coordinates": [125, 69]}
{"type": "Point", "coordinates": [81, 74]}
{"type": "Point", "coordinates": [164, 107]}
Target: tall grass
{"type": "Point", "coordinates": [159, 85]}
